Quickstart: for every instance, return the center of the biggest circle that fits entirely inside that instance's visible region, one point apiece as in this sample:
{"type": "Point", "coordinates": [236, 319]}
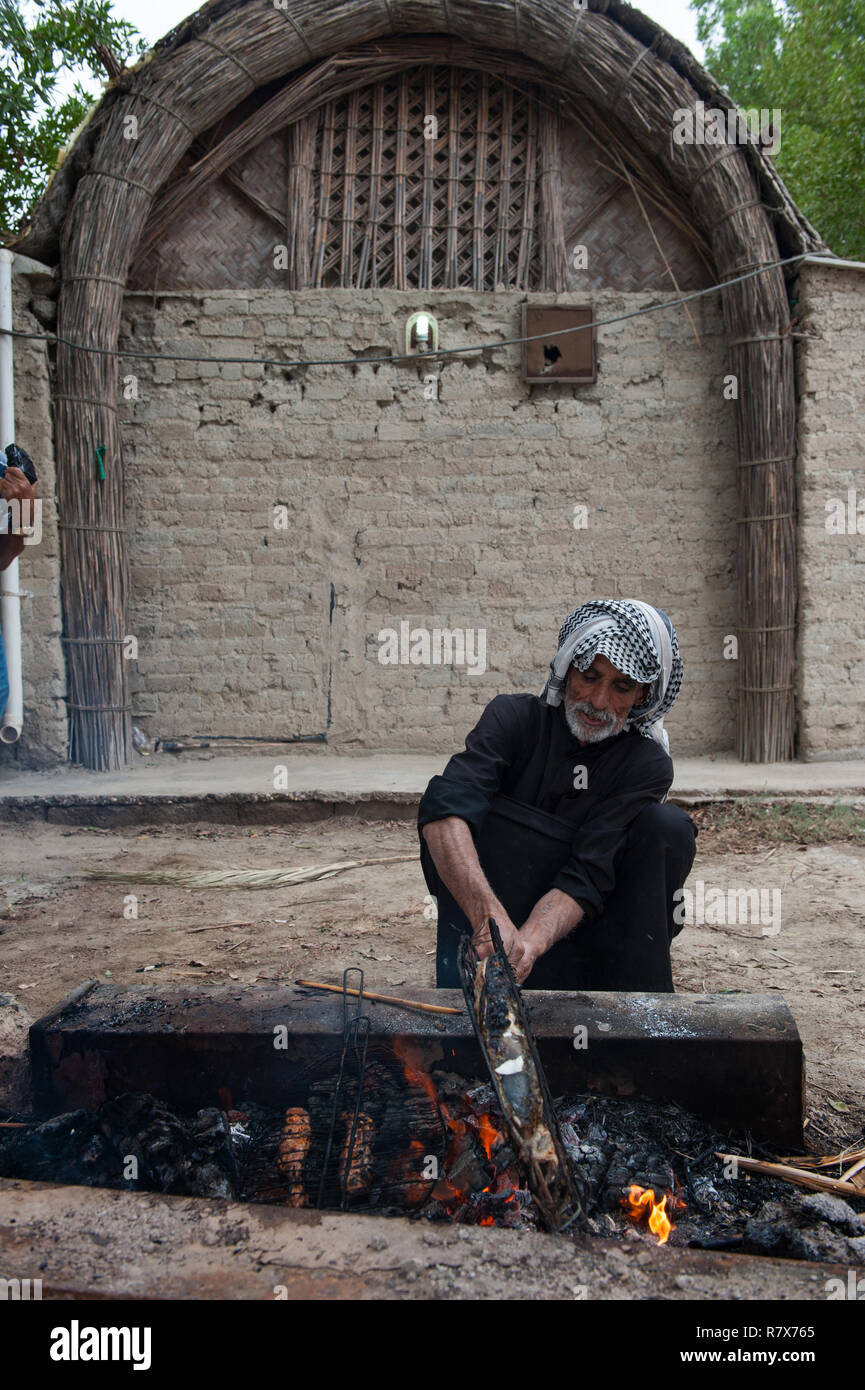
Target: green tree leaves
{"type": "Point", "coordinates": [41, 43]}
{"type": "Point", "coordinates": [806, 57]}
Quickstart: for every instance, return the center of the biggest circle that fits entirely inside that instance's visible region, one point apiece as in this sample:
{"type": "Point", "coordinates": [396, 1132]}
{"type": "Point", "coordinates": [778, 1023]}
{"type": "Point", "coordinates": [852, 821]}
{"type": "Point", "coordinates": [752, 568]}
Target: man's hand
{"type": "Point", "coordinates": [512, 940]}
{"type": "Point", "coordinates": [14, 488]}
{"type": "Point", "coordinates": [453, 852]}
{"type": "Point", "coordinates": [552, 918]}
{"type": "Point", "coordinates": [531, 951]}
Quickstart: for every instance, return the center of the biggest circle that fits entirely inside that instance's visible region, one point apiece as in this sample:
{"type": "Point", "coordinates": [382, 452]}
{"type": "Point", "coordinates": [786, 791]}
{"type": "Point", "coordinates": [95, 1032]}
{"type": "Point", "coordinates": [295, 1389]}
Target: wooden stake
{"type": "Point", "coordinates": [382, 998]}
{"type": "Point", "coordinates": [352, 123]}
{"type": "Point", "coordinates": [796, 1175]}
{"type": "Point", "coordinates": [328, 142]}
{"type": "Point", "coordinates": [527, 231]}
{"type": "Point", "coordinates": [480, 184]}
{"type": "Point", "coordinates": [501, 264]}
{"type": "Point", "coordinates": [400, 281]}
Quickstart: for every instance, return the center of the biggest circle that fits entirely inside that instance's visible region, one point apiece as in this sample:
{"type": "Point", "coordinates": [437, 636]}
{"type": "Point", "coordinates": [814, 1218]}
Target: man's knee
{"type": "Point", "coordinates": [664, 827]}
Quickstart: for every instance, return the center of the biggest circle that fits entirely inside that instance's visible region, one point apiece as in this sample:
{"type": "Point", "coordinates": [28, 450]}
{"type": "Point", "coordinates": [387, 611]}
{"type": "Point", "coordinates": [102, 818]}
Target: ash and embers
{"type": "Point", "coordinates": [614, 1144]}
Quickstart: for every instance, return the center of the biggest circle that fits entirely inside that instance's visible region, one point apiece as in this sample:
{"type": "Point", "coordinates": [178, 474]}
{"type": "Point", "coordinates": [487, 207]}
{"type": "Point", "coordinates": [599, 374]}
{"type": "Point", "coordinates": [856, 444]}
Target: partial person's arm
{"type": "Point", "coordinates": [583, 884]}
{"type": "Point", "coordinates": [455, 806]}
{"type": "Point", "coordinates": [453, 852]}
{"type": "Point", "coordinates": [589, 875]}
{"type": "Point", "coordinates": [553, 917]}
{"type": "Point", "coordinates": [14, 487]}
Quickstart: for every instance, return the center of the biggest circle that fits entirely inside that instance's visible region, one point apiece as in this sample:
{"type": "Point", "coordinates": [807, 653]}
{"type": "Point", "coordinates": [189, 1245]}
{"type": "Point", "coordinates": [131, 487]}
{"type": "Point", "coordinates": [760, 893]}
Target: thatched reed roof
{"type": "Point", "coordinates": [469, 19]}
{"type": "Point", "coordinates": [608, 61]}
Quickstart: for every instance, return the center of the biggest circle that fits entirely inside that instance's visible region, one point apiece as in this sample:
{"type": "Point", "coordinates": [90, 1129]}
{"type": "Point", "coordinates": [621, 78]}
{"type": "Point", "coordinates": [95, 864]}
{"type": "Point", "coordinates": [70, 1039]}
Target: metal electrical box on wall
{"type": "Point", "coordinates": [558, 355]}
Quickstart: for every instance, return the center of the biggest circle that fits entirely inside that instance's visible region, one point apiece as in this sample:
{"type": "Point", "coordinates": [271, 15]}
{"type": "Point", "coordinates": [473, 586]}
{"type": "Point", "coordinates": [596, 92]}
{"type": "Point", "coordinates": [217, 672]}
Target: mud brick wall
{"type": "Point", "coordinates": [455, 512]}
{"type": "Point", "coordinates": [43, 740]}
{"type": "Point", "coordinates": [831, 462]}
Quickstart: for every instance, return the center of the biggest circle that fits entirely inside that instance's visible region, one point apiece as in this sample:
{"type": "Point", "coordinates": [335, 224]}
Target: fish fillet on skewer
{"type": "Point", "coordinates": [510, 1058]}
{"type": "Point", "coordinates": [359, 1177]}
{"type": "Point", "coordinates": [292, 1152]}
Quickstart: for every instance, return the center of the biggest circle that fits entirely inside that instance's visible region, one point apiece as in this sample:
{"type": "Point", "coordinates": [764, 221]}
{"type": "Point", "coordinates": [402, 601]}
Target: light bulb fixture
{"type": "Point", "coordinates": [421, 333]}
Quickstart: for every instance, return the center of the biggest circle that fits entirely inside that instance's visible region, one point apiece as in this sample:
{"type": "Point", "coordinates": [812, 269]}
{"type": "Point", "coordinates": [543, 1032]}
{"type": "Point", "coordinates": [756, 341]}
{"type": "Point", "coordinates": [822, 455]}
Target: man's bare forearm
{"type": "Point", "coordinates": [10, 548]}
{"type": "Point", "coordinates": [552, 918]}
{"type": "Point", "coordinates": [453, 852]}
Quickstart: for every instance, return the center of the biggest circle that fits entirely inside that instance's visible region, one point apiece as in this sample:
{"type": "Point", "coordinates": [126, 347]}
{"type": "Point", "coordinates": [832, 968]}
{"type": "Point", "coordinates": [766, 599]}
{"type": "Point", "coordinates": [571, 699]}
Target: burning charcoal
{"type": "Point", "coordinates": [505, 1157]}
{"type": "Point", "coordinates": [494, 1199]}
{"type": "Point", "coordinates": [492, 1140]}
{"type": "Point", "coordinates": [590, 1153]}
{"type": "Point", "coordinates": [470, 1171]}
{"type": "Point", "coordinates": [208, 1168]}
{"type": "Point", "coordinates": [481, 1098]}
{"type": "Point", "coordinates": [449, 1086]}
{"type": "Point", "coordinates": [574, 1114]}
{"type": "Point", "coordinates": [603, 1225]}
{"type": "Point", "coordinates": [512, 1218]}
{"type": "Point", "coordinates": [182, 1156]}
{"type": "Point", "coordinates": [705, 1195]}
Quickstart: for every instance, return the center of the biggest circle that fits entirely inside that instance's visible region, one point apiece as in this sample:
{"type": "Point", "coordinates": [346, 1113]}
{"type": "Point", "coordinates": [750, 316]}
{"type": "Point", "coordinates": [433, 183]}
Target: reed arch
{"type": "Point", "coordinates": [606, 61]}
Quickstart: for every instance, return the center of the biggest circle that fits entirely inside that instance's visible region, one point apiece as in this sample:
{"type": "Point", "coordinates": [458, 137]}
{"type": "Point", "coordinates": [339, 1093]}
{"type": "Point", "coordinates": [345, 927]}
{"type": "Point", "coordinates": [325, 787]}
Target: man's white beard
{"type": "Point", "coordinates": [582, 731]}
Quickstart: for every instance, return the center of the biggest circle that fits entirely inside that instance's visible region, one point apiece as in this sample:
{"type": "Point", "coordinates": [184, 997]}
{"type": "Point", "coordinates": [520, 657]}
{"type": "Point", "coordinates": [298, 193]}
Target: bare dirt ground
{"type": "Point", "coordinates": [57, 929]}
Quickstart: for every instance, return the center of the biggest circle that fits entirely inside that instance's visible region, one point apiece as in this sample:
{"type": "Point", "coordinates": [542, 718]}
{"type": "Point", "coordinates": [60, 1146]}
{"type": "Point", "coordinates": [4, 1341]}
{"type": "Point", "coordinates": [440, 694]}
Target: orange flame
{"type": "Point", "coordinates": [640, 1201]}
{"type": "Point", "coordinates": [417, 1075]}
{"type": "Point", "coordinates": [488, 1134]}
{"type": "Point", "coordinates": [413, 1065]}
{"type": "Point", "coordinates": [416, 1187]}
{"type": "Point", "coordinates": [412, 1059]}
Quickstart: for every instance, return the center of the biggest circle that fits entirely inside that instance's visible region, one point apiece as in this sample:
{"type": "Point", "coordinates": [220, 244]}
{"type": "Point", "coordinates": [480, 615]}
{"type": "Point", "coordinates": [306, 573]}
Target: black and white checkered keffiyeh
{"type": "Point", "coordinates": [638, 640]}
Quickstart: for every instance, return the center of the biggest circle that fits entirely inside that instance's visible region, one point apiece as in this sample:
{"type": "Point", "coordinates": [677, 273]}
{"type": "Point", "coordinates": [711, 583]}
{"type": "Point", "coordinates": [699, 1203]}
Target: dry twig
{"type": "Point", "coordinates": [381, 998]}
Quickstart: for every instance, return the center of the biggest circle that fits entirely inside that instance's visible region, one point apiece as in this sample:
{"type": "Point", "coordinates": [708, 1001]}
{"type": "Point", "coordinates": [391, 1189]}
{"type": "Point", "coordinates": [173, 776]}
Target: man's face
{"type": "Point", "coordinates": [598, 701]}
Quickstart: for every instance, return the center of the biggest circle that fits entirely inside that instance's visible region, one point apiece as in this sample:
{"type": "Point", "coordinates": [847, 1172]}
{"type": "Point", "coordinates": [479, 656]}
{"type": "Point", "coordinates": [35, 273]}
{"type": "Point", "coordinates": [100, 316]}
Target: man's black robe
{"type": "Point", "coordinates": [522, 748]}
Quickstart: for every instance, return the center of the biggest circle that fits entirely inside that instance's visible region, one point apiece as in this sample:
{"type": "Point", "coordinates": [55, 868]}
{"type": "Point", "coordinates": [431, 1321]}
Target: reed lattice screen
{"type": "Point", "coordinates": [431, 179]}
{"type": "Point", "coordinates": [422, 175]}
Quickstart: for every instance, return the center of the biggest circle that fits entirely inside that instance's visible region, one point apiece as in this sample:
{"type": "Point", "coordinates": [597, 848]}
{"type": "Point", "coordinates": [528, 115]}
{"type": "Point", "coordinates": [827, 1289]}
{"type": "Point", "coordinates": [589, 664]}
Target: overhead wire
{"type": "Point", "coordinates": [409, 356]}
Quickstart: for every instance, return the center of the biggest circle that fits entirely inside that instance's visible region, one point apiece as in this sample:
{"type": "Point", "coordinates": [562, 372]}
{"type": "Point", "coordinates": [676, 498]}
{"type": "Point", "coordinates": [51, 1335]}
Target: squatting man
{"type": "Point", "coordinates": [552, 821]}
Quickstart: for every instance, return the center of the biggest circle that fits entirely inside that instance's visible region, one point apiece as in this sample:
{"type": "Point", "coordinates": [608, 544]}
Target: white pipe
{"type": "Point", "coordinates": [10, 620]}
{"type": "Point", "coordinates": [10, 597]}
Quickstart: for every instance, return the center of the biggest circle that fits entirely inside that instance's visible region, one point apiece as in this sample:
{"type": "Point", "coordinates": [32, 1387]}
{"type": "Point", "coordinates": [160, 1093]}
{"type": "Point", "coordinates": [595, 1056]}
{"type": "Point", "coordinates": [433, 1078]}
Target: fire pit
{"type": "Point", "coordinates": [279, 1097]}
{"type": "Point", "coordinates": [733, 1059]}
{"type": "Point", "coordinates": [650, 1172]}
